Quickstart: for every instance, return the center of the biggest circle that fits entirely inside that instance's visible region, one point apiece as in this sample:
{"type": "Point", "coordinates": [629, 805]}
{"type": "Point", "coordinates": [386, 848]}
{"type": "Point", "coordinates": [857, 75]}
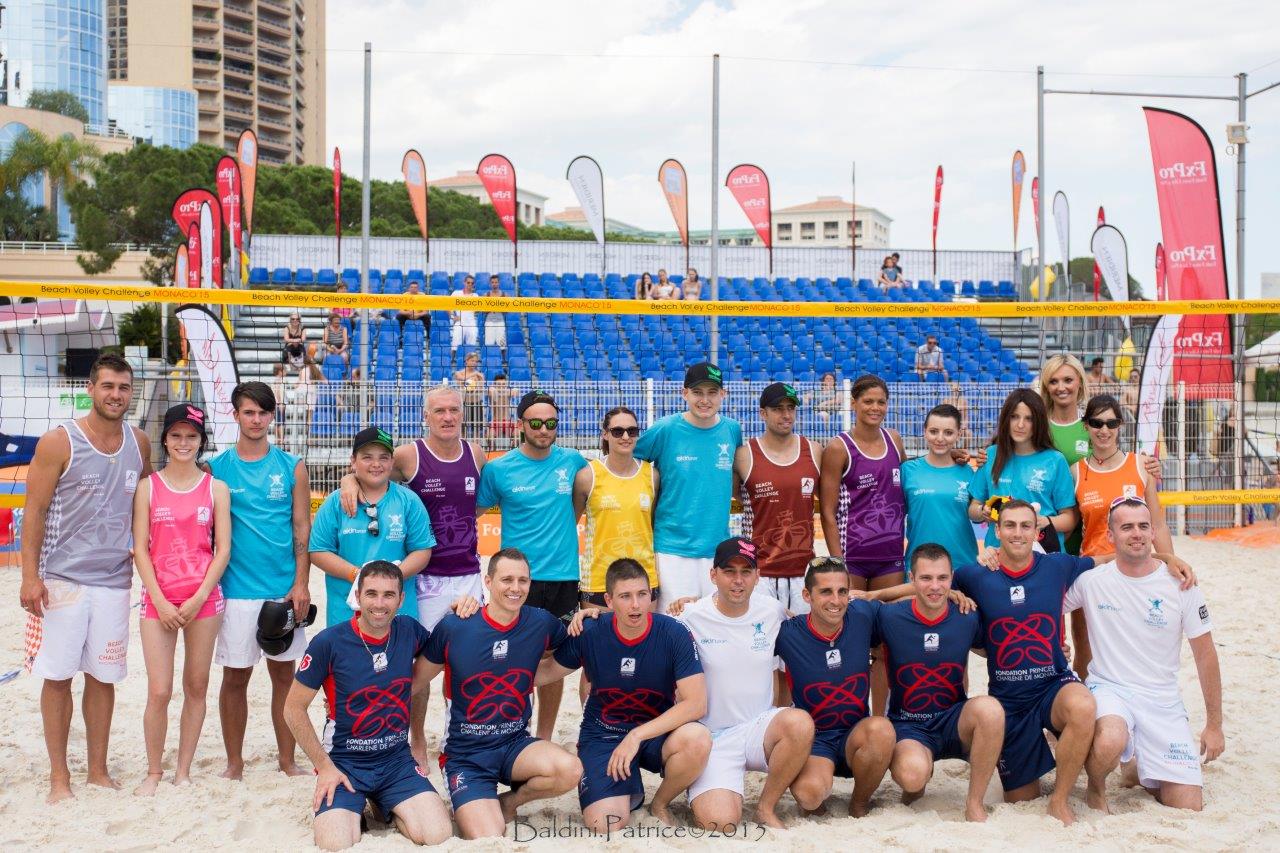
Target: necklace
{"type": "Point", "coordinates": [1109, 458]}
{"type": "Point", "coordinates": [380, 659]}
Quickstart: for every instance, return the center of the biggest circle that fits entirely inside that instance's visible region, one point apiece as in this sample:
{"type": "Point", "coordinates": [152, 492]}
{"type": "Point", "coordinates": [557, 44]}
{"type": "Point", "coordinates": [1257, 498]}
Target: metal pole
{"type": "Point", "coordinates": [1182, 454]}
{"type": "Point", "coordinates": [1238, 343]}
{"type": "Point", "coordinates": [361, 356]}
{"type": "Point", "coordinates": [853, 222]}
{"type": "Point", "coordinates": [1044, 286]}
{"type": "Point", "coordinates": [715, 201]}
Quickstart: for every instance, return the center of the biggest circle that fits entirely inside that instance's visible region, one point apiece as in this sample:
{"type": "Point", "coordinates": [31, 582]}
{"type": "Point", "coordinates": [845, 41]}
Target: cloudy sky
{"type": "Point", "coordinates": [809, 86]}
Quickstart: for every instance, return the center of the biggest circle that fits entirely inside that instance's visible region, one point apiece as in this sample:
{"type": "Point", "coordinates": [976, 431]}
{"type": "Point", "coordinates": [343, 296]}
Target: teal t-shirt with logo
{"type": "Point", "coordinates": [1041, 478]}
{"type": "Point", "coordinates": [262, 561]}
{"type": "Point", "coordinates": [695, 470]}
{"type": "Point", "coordinates": [938, 509]}
{"type": "Point", "coordinates": [536, 500]}
{"type": "Point", "coordinates": [403, 527]}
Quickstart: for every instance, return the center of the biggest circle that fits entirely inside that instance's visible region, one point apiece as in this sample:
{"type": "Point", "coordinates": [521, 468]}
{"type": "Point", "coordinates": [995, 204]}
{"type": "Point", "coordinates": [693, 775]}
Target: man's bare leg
{"type": "Point", "coordinates": [981, 729]}
{"type": "Point", "coordinates": [684, 757]}
{"type": "Point", "coordinates": [1110, 736]}
{"type": "Point", "coordinates": [423, 819]}
{"type": "Point", "coordinates": [97, 706]}
{"type": "Point", "coordinates": [56, 707]}
{"type": "Point", "coordinates": [336, 829]}
{"type": "Point", "coordinates": [911, 768]}
{"type": "Point", "coordinates": [1177, 795]}
{"type": "Point", "coordinates": [548, 707]}
{"type": "Point", "coordinates": [812, 787]}
{"type": "Point", "coordinates": [543, 770]}
{"type": "Point", "coordinates": [418, 726]}
{"type": "Point", "coordinates": [1074, 712]}
{"type": "Point", "coordinates": [233, 713]}
{"type": "Point", "coordinates": [282, 672]}
{"type": "Point", "coordinates": [787, 741]}
{"type": "Point", "coordinates": [717, 809]}
{"type": "Point", "coordinates": [868, 752]}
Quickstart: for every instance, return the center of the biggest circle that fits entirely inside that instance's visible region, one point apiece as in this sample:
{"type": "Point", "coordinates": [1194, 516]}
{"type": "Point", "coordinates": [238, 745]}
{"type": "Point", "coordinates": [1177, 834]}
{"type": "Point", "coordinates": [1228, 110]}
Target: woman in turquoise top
{"type": "Point", "coordinates": [937, 490]}
{"type": "Point", "coordinates": [1024, 464]}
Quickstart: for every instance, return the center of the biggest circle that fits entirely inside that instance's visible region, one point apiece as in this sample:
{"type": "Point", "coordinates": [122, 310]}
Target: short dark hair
{"type": "Point", "coordinates": [929, 551]}
{"type": "Point", "coordinates": [109, 361]}
{"type": "Point", "coordinates": [865, 383]}
{"type": "Point", "coordinates": [1013, 503]}
{"type": "Point", "coordinates": [498, 376]}
{"type": "Point", "coordinates": [379, 569]}
{"type": "Point", "coordinates": [822, 565]}
{"type": "Point", "coordinates": [945, 410]}
{"type": "Point", "coordinates": [493, 276]}
{"type": "Point", "coordinates": [257, 392]}
{"type": "Point", "coordinates": [623, 569]}
{"type": "Point", "coordinates": [507, 554]}
{"type": "Point", "coordinates": [1097, 361]}
{"type": "Point", "coordinates": [1102, 403]}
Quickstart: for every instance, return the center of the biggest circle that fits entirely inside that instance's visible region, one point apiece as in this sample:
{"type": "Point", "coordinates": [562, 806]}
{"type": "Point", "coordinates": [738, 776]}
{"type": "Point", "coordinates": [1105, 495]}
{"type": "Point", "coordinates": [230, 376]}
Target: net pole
{"type": "Point", "coordinates": [364, 233]}
{"type": "Point", "coordinates": [1238, 342]}
{"type": "Point", "coordinates": [1182, 454]}
{"type": "Point", "coordinates": [1040, 215]}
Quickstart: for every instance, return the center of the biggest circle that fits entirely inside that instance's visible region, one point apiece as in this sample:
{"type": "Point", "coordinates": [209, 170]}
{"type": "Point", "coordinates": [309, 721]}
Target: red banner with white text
{"type": "Point", "coordinates": [750, 187]}
{"type": "Point", "coordinates": [415, 181]}
{"type": "Point", "coordinates": [1186, 176]}
{"type": "Point", "coordinates": [337, 200]}
{"type": "Point", "coordinates": [499, 179]}
{"type": "Point", "coordinates": [194, 255]}
{"type": "Point", "coordinates": [1162, 278]}
{"type": "Point", "coordinates": [227, 179]}
{"type": "Point", "coordinates": [186, 212]}
{"type": "Point", "coordinates": [675, 186]}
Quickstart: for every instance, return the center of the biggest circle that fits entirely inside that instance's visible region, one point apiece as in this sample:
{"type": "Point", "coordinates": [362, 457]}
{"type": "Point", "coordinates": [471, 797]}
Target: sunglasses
{"type": "Point", "coordinates": [820, 563]}
{"type": "Point", "coordinates": [372, 512]}
{"type": "Point", "coordinates": [539, 423]}
{"type": "Point", "coordinates": [619, 432]}
{"type": "Point", "coordinates": [1131, 500]}
{"type": "Point", "coordinates": [1109, 423]}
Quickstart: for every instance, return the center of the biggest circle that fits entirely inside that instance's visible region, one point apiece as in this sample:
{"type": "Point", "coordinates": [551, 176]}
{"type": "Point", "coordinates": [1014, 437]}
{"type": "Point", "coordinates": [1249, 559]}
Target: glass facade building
{"type": "Point", "coordinates": [57, 44]}
{"type": "Point", "coordinates": [157, 115]}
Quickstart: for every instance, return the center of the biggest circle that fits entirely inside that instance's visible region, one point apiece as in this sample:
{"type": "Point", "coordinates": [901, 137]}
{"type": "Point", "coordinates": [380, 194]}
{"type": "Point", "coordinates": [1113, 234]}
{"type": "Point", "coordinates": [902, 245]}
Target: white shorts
{"type": "Point", "coordinates": [682, 577]}
{"type": "Point", "coordinates": [437, 592]}
{"type": "Point", "coordinates": [787, 591]}
{"type": "Point", "coordinates": [1159, 734]}
{"type": "Point", "coordinates": [734, 751]}
{"type": "Point", "coordinates": [84, 629]}
{"type": "Point", "coordinates": [238, 638]}
{"type": "Point", "coordinates": [463, 334]}
{"type": "Point", "coordinates": [495, 332]}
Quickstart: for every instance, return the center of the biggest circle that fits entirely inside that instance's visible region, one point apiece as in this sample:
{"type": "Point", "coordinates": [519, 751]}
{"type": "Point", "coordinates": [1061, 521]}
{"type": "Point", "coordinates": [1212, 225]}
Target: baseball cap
{"type": "Point", "coordinates": [777, 393]}
{"type": "Point", "coordinates": [703, 371]}
{"type": "Point", "coordinates": [372, 435]}
{"type": "Point", "coordinates": [733, 548]}
{"type": "Point", "coordinates": [185, 413]}
{"type": "Point", "coordinates": [533, 398]}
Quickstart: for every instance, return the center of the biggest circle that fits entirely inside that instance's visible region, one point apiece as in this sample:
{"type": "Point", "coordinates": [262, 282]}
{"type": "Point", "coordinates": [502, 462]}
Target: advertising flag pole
{"type": "Point", "coordinates": [364, 230]}
{"type": "Point", "coordinates": [715, 202]}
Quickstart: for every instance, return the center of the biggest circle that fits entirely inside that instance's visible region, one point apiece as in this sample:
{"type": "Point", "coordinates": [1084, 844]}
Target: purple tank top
{"type": "Point", "coordinates": [872, 503]}
{"type": "Point", "coordinates": [448, 491]}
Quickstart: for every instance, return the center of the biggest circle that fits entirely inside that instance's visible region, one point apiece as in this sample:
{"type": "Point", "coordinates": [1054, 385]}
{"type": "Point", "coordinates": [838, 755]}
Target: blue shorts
{"type": "Point", "coordinates": [388, 783]}
{"type": "Point", "coordinates": [871, 569]}
{"type": "Point", "coordinates": [596, 783]}
{"type": "Point", "coordinates": [940, 734]}
{"type": "Point", "coordinates": [475, 775]}
{"type": "Point", "coordinates": [831, 744]}
{"type": "Point", "coordinates": [1026, 756]}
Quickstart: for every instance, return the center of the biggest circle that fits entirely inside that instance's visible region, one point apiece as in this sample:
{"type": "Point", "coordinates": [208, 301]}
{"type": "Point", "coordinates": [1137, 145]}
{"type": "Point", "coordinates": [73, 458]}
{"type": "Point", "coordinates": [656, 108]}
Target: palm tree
{"type": "Point", "coordinates": [63, 161]}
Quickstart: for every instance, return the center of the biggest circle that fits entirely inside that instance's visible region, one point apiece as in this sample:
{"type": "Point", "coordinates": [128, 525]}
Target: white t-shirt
{"type": "Point", "coordinates": [465, 318]}
{"type": "Point", "coordinates": [737, 657]}
{"type": "Point", "coordinates": [1136, 626]}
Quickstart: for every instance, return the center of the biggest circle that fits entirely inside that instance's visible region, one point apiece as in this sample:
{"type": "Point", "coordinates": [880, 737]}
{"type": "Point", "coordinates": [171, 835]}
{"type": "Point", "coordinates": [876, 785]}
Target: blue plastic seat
{"type": "Point", "coordinates": [304, 275]}
{"type": "Point", "coordinates": [259, 275]}
{"type": "Point", "coordinates": [327, 276]}
{"type": "Point", "coordinates": [282, 275]}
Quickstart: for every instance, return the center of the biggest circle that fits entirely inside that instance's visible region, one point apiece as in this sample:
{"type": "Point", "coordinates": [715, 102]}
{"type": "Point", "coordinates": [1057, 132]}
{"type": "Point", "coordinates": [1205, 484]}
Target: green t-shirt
{"type": "Point", "coordinates": [1072, 440]}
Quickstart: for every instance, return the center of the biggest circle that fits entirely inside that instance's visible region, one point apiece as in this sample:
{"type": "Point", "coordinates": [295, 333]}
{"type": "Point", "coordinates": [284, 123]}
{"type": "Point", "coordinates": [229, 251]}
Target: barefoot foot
{"type": "Point", "coordinates": [103, 780]}
{"type": "Point", "coordinates": [662, 813]}
{"type": "Point", "coordinates": [286, 769]}
{"type": "Point", "coordinates": [59, 791]}
{"type": "Point", "coordinates": [769, 818]}
{"type": "Point", "coordinates": [1097, 800]}
{"type": "Point", "coordinates": [234, 772]}
{"type": "Point", "coordinates": [1062, 811]}
{"type": "Point", "coordinates": [148, 786]}
{"type": "Point", "coordinates": [857, 809]}
{"type": "Point", "coordinates": [507, 802]}
{"type": "Point", "coordinates": [975, 813]}
{"type": "Point", "coordinates": [909, 797]}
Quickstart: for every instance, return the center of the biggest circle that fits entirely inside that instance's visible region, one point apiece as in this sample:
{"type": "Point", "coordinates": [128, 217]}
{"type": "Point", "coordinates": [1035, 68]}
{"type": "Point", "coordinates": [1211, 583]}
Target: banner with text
{"type": "Point", "coordinates": [337, 201]}
{"type": "Point", "coordinates": [227, 179]}
{"type": "Point", "coordinates": [1019, 172]}
{"type": "Point", "coordinates": [587, 179]}
{"type": "Point", "coordinates": [750, 187]}
{"type": "Point", "coordinates": [187, 212]}
{"type": "Point", "coordinates": [1162, 278]}
{"type": "Point", "coordinates": [675, 186]}
{"type": "Point", "coordinates": [415, 181]}
{"type": "Point", "coordinates": [1153, 386]}
{"type": "Point", "coordinates": [1111, 256]}
{"type": "Point", "coordinates": [215, 364]}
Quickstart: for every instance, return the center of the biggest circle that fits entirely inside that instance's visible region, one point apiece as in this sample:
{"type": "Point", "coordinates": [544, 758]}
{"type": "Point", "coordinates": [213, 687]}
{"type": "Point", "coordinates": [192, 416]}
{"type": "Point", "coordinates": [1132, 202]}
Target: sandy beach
{"type": "Point", "coordinates": [270, 812]}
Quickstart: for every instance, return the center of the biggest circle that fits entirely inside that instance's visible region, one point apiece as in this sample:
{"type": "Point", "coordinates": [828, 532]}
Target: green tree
{"type": "Point", "coordinates": [58, 101]}
{"type": "Point", "coordinates": [20, 220]}
{"type": "Point", "coordinates": [1082, 276]}
{"type": "Point", "coordinates": [141, 328]}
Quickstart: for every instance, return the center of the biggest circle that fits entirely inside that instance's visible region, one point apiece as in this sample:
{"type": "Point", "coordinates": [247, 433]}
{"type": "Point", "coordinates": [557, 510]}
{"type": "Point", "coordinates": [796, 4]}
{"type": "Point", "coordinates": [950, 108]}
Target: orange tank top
{"type": "Point", "coordinates": [1095, 490]}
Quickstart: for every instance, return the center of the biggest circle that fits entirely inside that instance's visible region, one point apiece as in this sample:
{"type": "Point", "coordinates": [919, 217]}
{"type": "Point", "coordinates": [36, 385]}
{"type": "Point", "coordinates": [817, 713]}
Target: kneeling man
{"type": "Point", "coordinates": [927, 641]}
{"type": "Point", "coordinates": [366, 667]}
{"type": "Point", "coordinates": [1137, 617]}
{"type": "Point", "coordinates": [647, 695]}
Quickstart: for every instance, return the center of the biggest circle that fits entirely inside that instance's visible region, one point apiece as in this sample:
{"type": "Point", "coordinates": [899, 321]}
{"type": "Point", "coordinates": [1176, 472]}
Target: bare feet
{"type": "Point", "coordinates": [507, 802]}
{"type": "Point", "coordinates": [148, 786]}
{"type": "Point", "coordinates": [909, 797]}
{"type": "Point", "coordinates": [1095, 799]}
{"type": "Point", "coordinates": [857, 809]}
{"type": "Point", "coordinates": [234, 772]}
{"type": "Point", "coordinates": [1062, 811]}
{"type": "Point", "coordinates": [290, 770]}
{"type": "Point", "coordinates": [662, 813]}
{"type": "Point", "coordinates": [58, 791]}
{"type": "Point", "coordinates": [1129, 774]}
{"type": "Point", "coordinates": [181, 778]}
{"type": "Point", "coordinates": [103, 780]}
{"type": "Point", "coordinates": [768, 817]}
{"type": "Point", "coordinates": [975, 812]}
{"type": "Point", "coordinates": [820, 811]}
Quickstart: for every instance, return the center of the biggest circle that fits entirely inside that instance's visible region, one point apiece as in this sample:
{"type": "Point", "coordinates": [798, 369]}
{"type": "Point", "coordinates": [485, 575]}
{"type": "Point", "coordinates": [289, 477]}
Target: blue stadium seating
{"type": "Point", "coordinates": [259, 275]}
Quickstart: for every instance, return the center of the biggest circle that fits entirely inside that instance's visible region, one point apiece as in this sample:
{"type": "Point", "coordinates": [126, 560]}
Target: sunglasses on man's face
{"type": "Point", "coordinates": [539, 423]}
{"type": "Point", "coordinates": [1109, 423]}
{"type": "Point", "coordinates": [619, 432]}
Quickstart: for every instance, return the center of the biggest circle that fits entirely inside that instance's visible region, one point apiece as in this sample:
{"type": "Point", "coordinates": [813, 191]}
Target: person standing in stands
{"type": "Point", "coordinates": [463, 330]}
{"type": "Point", "coordinates": [471, 379]}
{"type": "Point", "coordinates": [495, 323]}
{"type": "Point", "coordinates": [693, 452]}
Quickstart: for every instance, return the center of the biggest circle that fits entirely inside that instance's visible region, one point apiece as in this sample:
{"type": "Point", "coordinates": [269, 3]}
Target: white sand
{"type": "Point", "coordinates": [268, 811]}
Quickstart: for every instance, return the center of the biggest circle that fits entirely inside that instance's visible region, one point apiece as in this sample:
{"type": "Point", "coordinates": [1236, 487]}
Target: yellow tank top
{"type": "Point", "coordinates": [1095, 490]}
{"type": "Point", "coordinates": [619, 522]}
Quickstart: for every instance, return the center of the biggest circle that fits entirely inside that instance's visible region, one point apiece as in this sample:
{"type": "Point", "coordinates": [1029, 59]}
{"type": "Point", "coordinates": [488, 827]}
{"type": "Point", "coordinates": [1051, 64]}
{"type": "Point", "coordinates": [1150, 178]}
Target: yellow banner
{"type": "Point", "coordinates": [504, 304]}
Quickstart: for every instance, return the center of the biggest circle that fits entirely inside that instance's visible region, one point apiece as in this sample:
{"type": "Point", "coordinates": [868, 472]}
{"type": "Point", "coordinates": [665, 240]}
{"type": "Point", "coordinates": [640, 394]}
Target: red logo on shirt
{"type": "Point", "coordinates": [490, 697]}
{"type": "Point", "coordinates": [620, 707]}
{"type": "Point", "coordinates": [1023, 643]}
{"type": "Point", "coordinates": [306, 662]}
{"type": "Point", "coordinates": [929, 688]}
{"type": "Point", "coordinates": [376, 709]}
{"type": "Point", "coordinates": [837, 706]}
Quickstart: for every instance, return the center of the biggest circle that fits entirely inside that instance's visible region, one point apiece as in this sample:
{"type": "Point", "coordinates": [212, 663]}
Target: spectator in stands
{"type": "Point", "coordinates": [295, 342]}
{"type": "Point", "coordinates": [888, 274]}
{"type": "Point", "coordinates": [407, 314]}
{"type": "Point", "coordinates": [349, 397]}
{"type": "Point", "coordinates": [929, 359]}
{"type": "Point", "coordinates": [665, 288]}
{"type": "Point", "coordinates": [1100, 382]}
{"type": "Point", "coordinates": [1129, 396]}
{"type": "Point", "coordinates": [471, 381]}
{"type": "Point", "coordinates": [956, 398]}
{"type": "Point", "coordinates": [495, 324]}
{"type": "Point", "coordinates": [336, 341]}
{"type": "Point", "coordinates": [692, 286]}
{"type": "Point", "coordinates": [897, 265]}
{"type": "Point", "coordinates": [826, 402]}
{"type": "Point", "coordinates": [301, 394]}
{"type": "Point", "coordinates": [464, 331]}
{"type": "Point", "coordinates": [278, 388]}
{"type": "Point", "coordinates": [501, 395]}
{"type": "Point", "coordinates": [644, 287]}
{"type": "Point", "coordinates": [344, 312]}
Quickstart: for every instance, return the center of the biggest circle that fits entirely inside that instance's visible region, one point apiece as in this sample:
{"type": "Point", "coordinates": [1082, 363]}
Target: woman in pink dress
{"type": "Point", "coordinates": [182, 540]}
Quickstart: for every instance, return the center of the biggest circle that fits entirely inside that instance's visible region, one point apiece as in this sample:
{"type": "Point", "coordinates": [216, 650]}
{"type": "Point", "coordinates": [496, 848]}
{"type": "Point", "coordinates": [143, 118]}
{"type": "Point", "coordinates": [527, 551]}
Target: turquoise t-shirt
{"type": "Point", "coordinates": [1041, 478]}
{"type": "Point", "coordinates": [403, 527]}
{"type": "Point", "coordinates": [938, 509]}
{"type": "Point", "coordinates": [262, 561]}
{"type": "Point", "coordinates": [536, 500]}
{"type": "Point", "coordinates": [695, 469]}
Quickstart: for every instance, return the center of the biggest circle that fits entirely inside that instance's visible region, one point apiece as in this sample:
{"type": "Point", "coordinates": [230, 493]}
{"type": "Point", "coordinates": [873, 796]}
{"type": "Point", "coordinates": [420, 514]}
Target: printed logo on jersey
{"type": "Point", "coordinates": [644, 502]}
{"type": "Point", "coordinates": [837, 706]}
{"type": "Point", "coordinates": [130, 480]}
{"type": "Point", "coordinates": [1155, 613]}
{"type": "Point", "coordinates": [500, 650]}
{"type": "Point", "coordinates": [202, 515]}
{"type": "Point", "coordinates": [458, 781]}
{"type": "Point", "coordinates": [306, 662]}
{"type": "Point", "coordinates": [1082, 447]}
{"type": "Point", "coordinates": [1204, 613]}
{"type": "Point", "coordinates": [833, 659]}
{"type": "Point", "coordinates": [1130, 490]}
{"type": "Point", "coordinates": [496, 698]}
{"type": "Point", "coordinates": [929, 689]}
{"type": "Point", "coordinates": [275, 489]}
{"type": "Point", "coordinates": [630, 707]}
{"type": "Point", "coordinates": [1017, 595]}
{"type": "Point", "coordinates": [759, 640]}
{"type": "Point", "coordinates": [1037, 480]}
{"type": "Point", "coordinates": [628, 667]}
{"type": "Point", "coordinates": [930, 642]}
{"type": "Point", "coordinates": [725, 461]}
{"type": "Point", "coordinates": [962, 492]}
{"type": "Point", "coordinates": [395, 527]}
{"type": "Point", "coordinates": [378, 712]}
{"type": "Point", "coordinates": [563, 484]}
{"type": "Point", "coordinates": [469, 485]}
{"type": "Point", "coordinates": [1023, 644]}
{"type": "Point", "coordinates": [897, 476]}
{"type": "Point", "coordinates": [806, 486]}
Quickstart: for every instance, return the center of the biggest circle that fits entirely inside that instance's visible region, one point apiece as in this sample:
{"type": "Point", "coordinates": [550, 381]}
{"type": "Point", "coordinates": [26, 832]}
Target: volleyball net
{"type": "Point", "coordinates": [1215, 423]}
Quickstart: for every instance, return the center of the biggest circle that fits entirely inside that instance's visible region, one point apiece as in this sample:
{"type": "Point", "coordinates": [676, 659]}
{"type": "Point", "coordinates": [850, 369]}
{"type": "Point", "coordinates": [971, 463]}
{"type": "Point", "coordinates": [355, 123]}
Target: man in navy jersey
{"type": "Point", "coordinates": [647, 695]}
{"type": "Point", "coordinates": [828, 656]}
{"type": "Point", "coordinates": [927, 641]}
{"type": "Point", "coordinates": [490, 663]}
{"type": "Point", "coordinates": [366, 668]}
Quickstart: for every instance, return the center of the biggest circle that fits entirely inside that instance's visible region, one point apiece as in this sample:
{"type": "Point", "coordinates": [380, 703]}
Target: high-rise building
{"type": "Point", "coordinates": [55, 44]}
{"type": "Point", "coordinates": [235, 63]}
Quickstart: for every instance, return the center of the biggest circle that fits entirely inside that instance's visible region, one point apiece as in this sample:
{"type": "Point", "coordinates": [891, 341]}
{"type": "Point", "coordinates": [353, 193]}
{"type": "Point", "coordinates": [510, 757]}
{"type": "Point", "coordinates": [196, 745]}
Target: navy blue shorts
{"type": "Point", "coordinates": [831, 744]}
{"type": "Point", "coordinates": [1026, 755]}
{"type": "Point", "coordinates": [940, 734]}
{"type": "Point", "coordinates": [596, 783]}
{"type": "Point", "coordinates": [388, 783]}
{"type": "Point", "coordinates": [475, 775]}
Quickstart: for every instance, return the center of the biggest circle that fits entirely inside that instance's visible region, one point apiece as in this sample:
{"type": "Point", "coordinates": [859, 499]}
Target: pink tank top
{"type": "Point", "coordinates": [181, 546]}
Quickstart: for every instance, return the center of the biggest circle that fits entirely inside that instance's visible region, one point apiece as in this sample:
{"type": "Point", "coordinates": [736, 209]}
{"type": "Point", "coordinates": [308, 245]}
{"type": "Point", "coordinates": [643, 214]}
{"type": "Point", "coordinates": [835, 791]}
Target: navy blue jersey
{"type": "Point", "coordinates": [926, 659]}
{"type": "Point", "coordinates": [489, 672]}
{"type": "Point", "coordinates": [1022, 621]}
{"type": "Point", "coordinates": [368, 711]}
{"type": "Point", "coordinates": [632, 681]}
{"type": "Point", "coordinates": [830, 676]}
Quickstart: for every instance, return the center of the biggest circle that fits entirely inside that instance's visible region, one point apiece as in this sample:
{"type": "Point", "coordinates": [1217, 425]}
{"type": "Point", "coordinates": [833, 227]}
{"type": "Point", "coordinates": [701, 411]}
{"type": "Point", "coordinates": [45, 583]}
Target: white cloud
{"type": "Point", "coordinates": [805, 123]}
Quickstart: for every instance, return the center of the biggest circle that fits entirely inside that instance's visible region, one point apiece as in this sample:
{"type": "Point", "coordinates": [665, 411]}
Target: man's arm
{"type": "Point", "coordinates": [583, 481]}
{"type": "Point", "coordinates": [328, 776]}
{"type": "Point", "coordinates": [333, 565]}
{"type": "Point", "coordinates": [1212, 741]}
{"type": "Point", "coordinates": [144, 450]}
{"type": "Point", "coordinates": [414, 562]}
{"type": "Point", "coordinates": [300, 596]}
{"type": "Point", "coordinates": [550, 671]}
{"type": "Point", "coordinates": [53, 452]}
{"type": "Point", "coordinates": [423, 673]}
{"type": "Point", "coordinates": [690, 706]}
